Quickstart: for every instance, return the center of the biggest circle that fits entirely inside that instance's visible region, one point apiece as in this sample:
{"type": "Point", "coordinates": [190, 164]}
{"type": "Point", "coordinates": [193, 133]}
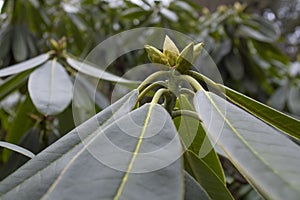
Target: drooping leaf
{"type": "Point", "coordinates": [19, 47]}
{"type": "Point", "coordinates": [194, 137]}
{"type": "Point", "coordinates": [12, 83]}
{"type": "Point", "coordinates": [58, 155]}
{"type": "Point", "coordinates": [257, 150]}
{"type": "Point", "coordinates": [83, 107]}
{"type": "Point", "coordinates": [193, 191]}
{"type": "Point", "coordinates": [293, 100]}
{"type": "Point", "coordinates": [17, 148]}
{"type": "Point", "coordinates": [279, 97]}
{"type": "Point", "coordinates": [206, 177]}
{"type": "Point", "coordinates": [275, 118]}
{"type": "Point", "coordinates": [23, 66]}
{"type": "Point", "coordinates": [50, 88]}
{"type": "Point", "coordinates": [96, 72]}
{"type": "Point", "coordinates": [100, 100]}
{"type": "Point", "coordinates": [15, 131]}
{"type": "Point", "coordinates": [29, 141]}
{"type": "Point", "coordinates": [91, 149]}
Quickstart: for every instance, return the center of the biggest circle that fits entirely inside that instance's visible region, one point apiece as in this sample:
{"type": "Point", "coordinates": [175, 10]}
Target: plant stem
{"type": "Point", "coordinates": [187, 113]}
{"type": "Point", "coordinates": [158, 94]}
{"type": "Point", "coordinates": [150, 87]}
{"type": "Point", "coordinates": [192, 81]}
{"type": "Point", "coordinates": [201, 77]}
{"type": "Point", "coordinates": [186, 91]}
{"type": "Point", "coordinates": [151, 78]}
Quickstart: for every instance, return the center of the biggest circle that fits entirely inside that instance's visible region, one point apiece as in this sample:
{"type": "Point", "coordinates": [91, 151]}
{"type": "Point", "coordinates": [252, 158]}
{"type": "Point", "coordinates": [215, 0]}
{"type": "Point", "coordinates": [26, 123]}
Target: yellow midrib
{"type": "Point", "coordinates": [135, 153]}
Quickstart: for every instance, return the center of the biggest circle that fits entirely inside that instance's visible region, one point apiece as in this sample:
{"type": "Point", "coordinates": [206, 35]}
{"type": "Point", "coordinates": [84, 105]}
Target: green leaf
{"type": "Point", "coordinates": [206, 177]}
{"type": "Point", "coordinates": [136, 13]}
{"type": "Point", "coordinates": [5, 41]}
{"type": "Point", "coordinates": [19, 47]}
{"type": "Point", "coordinates": [96, 72]}
{"type": "Point", "coordinates": [82, 106]}
{"type": "Point", "coordinates": [17, 148]}
{"type": "Point", "coordinates": [258, 151]}
{"type": "Point", "coordinates": [170, 51]}
{"type": "Point", "coordinates": [194, 138]}
{"type": "Point", "coordinates": [185, 58]}
{"type": "Point", "coordinates": [15, 131]}
{"type": "Point", "coordinates": [260, 29]}
{"type": "Point", "coordinates": [234, 65]}
{"type": "Point", "coordinates": [100, 99]}
{"type": "Point", "coordinates": [56, 157]}
{"type": "Point", "coordinates": [12, 83]}
{"type": "Point", "coordinates": [50, 88]}
{"type": "Point", "coordinates": [293, 100]}
{"type": "Point", "coordinates": [91, 149]}
{"type": "Point", "coordinates": [23, 66]}
{"type": "Point", "coordinates": [279, 97]}
{"type": "Point", "coordinates": [193, 191]}
{"type": "Point", "coordinates": [275, 118]}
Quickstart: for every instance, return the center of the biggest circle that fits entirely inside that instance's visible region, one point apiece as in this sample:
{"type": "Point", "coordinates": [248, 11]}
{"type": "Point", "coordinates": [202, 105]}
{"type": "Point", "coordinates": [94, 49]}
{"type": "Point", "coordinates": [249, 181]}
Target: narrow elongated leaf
{"type": "Point", "coordinates": [271, 116]}
{"type": "Point", "coordinates": [23, 66]}
{"type": "Point", "coordinates": [34, 178]}
{"type": "Point", "coordinates": [193, 191]}
{"type": "Point", "coordinates": [100, 100]}
{"type": "Point", "coordinates": [15, 131]}
{"type": "Point", "coordinates": [17, 148]}
{"type": "Point", "coordinates": [96, 72]}
{"type": "Point", "coordinates": [19, 47]}
{"type": "Point", "coordinates": [50, 88]}
{"type": "Point", "coordinates": [12, 83]}
{"type": "Point", "coordinates": [206, 177]}
{"type": "Point", "coordinates": [194, 138]}
{"type": "Point", "coordinates": [260, 152]}
{"type": "Point", "coordinates": [275, 118]}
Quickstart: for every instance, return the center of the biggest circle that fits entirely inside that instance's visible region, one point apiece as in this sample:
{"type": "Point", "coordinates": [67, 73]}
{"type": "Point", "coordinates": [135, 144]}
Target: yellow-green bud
{"type": "Point", "coordinates": [185, 59]}
{"type": "Point", "coordinates": [155, 55]}
{"type": "Point", "coordinates": [170, 51]}
{"type": "Point", "coordinates": [54, 44]}
{"type": "Point", "coordinates": [197, 50]}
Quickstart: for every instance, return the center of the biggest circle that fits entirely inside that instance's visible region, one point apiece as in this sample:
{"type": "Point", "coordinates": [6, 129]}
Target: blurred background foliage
{"type": "Point", "coordinates": [255, 45]}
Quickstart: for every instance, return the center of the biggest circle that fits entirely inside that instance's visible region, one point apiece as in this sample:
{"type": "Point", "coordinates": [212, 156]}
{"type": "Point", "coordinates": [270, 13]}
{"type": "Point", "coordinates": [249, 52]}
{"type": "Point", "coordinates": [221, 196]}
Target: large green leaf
{"type": "Point", "coordinates": [207, 178]}
{"type": "Point", "coordinates": [58, 155]}
{"type": "Point", "coordinates": [193, 191]}
{"type": "Point", "coordinates": [271, 116]}
{"type": "Point", "coordinates": [96, 72]}
{"type": "Point", "coordinates": [259, 152]}
{"type": "Point", "coordinates": [86, 163]}
{"type": "Point", "coordinates": [23, 66]}
{"type": "Point", "coordinates": [50, 88]}
{"type": "Point", "coordinates": [194, 138]}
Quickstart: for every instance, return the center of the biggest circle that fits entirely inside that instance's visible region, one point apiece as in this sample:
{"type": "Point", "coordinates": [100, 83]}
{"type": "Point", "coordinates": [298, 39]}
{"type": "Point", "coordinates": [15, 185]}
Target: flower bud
{"type": "Point", "coordinates": [185, 59]}
{"type": "Point", "coordinates": [155, 55]}
{"type": "Point", "coordinates": [170, 51]}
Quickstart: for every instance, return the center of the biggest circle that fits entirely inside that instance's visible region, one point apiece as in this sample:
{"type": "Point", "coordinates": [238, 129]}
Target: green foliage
{"type": "Point", "coordinates": [133, 150]}
{"type": "Point", "coordinates": [200, 126]}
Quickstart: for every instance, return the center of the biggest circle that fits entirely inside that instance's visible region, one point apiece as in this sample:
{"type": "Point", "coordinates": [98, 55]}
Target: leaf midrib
{"type": "Point", "coordinates": [103, 124]}
{"type": "Point", "coordinates": [247, 144]}
{"type": "Point", "coordinates": [135, 153]}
